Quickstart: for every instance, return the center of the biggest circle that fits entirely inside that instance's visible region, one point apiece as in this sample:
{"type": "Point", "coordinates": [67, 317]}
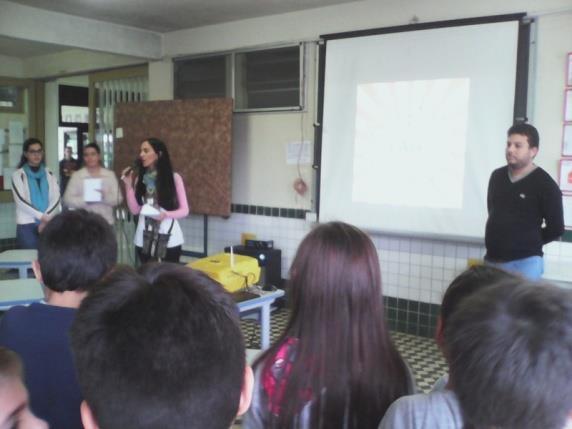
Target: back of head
{"type": "Point", "coordinates": [338, 322]}
{"type": "Point", "coordinates": [157, 349]}
{"type": "Point", "coordinates": [510, 347]}
{"type": "Point", "coordinates": [335, 274]}
{"type": "Point", "coordinates": [76, 248]}
{"type": "Point", "coordinates": [525, 130]}
{"type": "Point", "coordinates": [468, 282]}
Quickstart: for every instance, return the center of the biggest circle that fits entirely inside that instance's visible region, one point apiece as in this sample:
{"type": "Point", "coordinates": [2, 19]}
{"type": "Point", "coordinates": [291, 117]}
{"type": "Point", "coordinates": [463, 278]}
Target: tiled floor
{"type": "Point", "coordinates": [422, 354]}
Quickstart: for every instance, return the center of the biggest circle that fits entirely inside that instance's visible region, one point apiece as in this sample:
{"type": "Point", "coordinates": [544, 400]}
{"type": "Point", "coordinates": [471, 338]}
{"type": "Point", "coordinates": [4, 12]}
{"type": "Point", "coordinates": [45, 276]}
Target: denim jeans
{"type": "Point", "coordinates": [531, 268]}
{"type": "Point", "coordinates": [27, 236]}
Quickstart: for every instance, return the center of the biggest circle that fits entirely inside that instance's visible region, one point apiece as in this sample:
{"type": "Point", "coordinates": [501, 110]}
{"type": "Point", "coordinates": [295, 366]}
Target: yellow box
{"type": "Point", "coordinates": [244, 271]}
{"type": "Point", "coordinates": [246, 236]}
{"type": "Point", "coordinates": [473, 262]}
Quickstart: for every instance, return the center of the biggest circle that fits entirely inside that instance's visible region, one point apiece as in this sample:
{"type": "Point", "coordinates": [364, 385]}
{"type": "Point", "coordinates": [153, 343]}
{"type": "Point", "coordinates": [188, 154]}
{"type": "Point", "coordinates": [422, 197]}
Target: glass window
{"type": "Point", "coordinates": [204, 77]}
{"type": "Point", "coordinates": [268, 79]}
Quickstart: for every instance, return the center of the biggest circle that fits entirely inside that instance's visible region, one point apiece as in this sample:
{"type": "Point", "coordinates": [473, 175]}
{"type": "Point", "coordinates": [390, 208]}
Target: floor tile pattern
{"type": "Point", "coordinates": [422, 354]}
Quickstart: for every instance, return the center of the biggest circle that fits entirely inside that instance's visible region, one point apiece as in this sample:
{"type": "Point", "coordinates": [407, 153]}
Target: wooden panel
{"type": "Point", "coordinates": [198, 136]}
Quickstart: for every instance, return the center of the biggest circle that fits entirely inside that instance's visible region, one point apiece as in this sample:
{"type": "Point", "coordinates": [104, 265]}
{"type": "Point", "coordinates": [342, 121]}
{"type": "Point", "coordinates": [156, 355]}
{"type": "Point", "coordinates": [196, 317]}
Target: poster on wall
{"type": "Point", "coordinates": [567, 207]}
{"type": "Point", "coordinates": [567, 140]}
{"type": "Point", "coordinates": [566, 176]}
{"type": "Point", "coordinates": [568, 106]}
{"type": "Point", "coordinates": [569, 70]}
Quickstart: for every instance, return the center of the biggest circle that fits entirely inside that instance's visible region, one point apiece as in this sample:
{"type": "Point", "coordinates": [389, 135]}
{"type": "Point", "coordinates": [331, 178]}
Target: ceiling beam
{"type": "Point", "coordinates": [28, 23]}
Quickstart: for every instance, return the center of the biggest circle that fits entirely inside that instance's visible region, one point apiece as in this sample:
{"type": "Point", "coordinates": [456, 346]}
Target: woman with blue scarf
{"type": "Point", "coordinates": [36, 194]}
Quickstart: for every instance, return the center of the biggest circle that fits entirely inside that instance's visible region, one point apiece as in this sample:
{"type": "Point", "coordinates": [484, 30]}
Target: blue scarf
{"type": "Point", "coordinates": [150, 181]}
{"type": "Point", "coordinates": [39, 193]}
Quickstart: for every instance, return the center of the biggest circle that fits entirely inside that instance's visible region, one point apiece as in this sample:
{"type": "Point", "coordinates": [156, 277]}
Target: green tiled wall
{"type": "Point", "coordinates": [411, 317]}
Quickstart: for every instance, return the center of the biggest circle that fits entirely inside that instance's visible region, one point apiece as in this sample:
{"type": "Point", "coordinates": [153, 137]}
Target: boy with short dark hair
{"type": "Point", "coordinates": [440, 408]}
{"type": "Point", "coordinates": [160, 348]}
{"type": "Point", "coordinates": [75, 250]}
{"type": "Point", "coordinates": [513, 348]}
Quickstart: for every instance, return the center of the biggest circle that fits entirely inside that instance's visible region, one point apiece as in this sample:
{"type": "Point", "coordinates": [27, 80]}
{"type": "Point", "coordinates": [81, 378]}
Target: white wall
{"type": "Point", "coordinates": [260, 175]}
{"type": "Point", "coordinates": [554, 41]}
{"type": "Point", "coordinates": [11, 67]}
{"type": "Point", "coordinates": [161, 80]}
{"type": "Point", "coordinates": [52, 124]}
{"type": "Point", "coordinates": [74, 61]}
{"type": "Point", "coordinates": [310, 24]}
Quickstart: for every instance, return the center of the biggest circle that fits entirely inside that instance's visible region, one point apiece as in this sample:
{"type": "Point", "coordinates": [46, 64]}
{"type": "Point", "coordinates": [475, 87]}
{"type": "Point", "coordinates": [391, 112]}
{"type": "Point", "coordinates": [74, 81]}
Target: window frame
{"type": "Point", "coordinates": [230, 89]}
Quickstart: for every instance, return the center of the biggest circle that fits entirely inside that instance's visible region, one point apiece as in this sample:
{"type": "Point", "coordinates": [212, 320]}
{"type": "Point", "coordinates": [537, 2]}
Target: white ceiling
{"type": "Point", "coordinates": [170, 15]}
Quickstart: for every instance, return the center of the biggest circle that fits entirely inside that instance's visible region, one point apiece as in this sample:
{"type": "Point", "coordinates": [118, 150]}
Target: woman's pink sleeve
{"type": "Point", "coordinates": [183, 210]}
{"type": "Point", "coordinates": [132, 203]}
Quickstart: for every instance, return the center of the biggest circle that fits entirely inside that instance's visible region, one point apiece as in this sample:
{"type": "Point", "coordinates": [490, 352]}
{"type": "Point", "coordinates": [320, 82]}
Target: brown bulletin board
{"type": "Point", "coordinates": [198, 136]}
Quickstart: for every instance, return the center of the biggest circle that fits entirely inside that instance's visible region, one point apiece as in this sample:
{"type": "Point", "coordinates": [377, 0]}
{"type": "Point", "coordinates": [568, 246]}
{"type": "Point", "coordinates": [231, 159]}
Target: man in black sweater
{"type": "Point", "coordinates": [524, 205]}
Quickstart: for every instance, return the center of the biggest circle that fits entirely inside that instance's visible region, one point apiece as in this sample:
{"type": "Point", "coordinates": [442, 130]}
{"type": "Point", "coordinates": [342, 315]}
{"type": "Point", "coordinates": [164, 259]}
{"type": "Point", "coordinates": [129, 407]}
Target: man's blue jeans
{"type": "Point", "coordinates": [27, 236]}
{"type": "Point", "coordinates": [531, 268]}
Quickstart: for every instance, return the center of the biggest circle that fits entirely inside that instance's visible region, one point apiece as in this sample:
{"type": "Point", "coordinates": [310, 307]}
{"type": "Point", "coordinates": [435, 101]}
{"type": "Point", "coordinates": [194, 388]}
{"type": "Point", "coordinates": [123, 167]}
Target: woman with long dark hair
{"type": "Point", "coordinates": [36, 194]}
{"type": "Point", "coordinates": [157, 195]}
{"type": "Point", "coordinates": [335, 366]}
{"type": "Point", "coordinates": [108, 195]}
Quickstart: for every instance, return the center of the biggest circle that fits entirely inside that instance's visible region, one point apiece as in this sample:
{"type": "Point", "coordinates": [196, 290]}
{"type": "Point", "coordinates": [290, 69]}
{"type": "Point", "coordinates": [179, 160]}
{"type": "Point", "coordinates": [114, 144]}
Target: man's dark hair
{"type": "Point", "coordinates": [468, 282]}
{"type": "Point", "coordinates": [76, 248]}
{"type": "Point", "coordinates": [93, 146]}
{"type": "Point", "coordinates": [525, 130]}
{"type": "Point", "coordinates": [510, 347]}
{"type": "Point", "coordinates": [159, 348]}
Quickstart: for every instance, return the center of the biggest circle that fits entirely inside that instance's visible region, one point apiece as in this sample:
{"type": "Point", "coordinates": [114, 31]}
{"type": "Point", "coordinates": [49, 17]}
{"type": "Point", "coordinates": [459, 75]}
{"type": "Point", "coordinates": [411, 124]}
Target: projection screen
{"type": "Point", "coordinates": [413, 125]}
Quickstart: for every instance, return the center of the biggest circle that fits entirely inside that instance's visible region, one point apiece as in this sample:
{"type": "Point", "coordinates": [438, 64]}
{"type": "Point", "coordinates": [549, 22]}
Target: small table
{"type": "Point", "coordinates": [20, 259]}
{"type": "Point", "coordinates": [262, 305]}
{"type": "Point", "coordinates": [19, 292]}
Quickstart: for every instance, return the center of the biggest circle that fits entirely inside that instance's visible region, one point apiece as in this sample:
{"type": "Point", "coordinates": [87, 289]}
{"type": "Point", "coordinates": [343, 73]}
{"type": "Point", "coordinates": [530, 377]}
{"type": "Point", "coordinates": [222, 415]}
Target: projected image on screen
{"type": "Point", "coordinates": [419, 124]}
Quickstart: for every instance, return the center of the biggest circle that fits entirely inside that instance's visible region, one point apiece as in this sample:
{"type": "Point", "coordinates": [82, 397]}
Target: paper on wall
{"type": "Point", "coordinates": [16, 132]}
{"type": "Point", "coordinates": [300, 152]}
{"type": "Point", "coordinates": [567, 209]}
{"type": "Point", "coordinates": [14, 154]}
{"type": "Point", "coordinates": [7, 173]}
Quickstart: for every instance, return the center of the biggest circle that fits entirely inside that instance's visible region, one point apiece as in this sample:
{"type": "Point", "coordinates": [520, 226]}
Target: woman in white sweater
{"type": "Point", "coordinates": [107, 186]}
{"type": "Point", "coordinates": [36, 194]}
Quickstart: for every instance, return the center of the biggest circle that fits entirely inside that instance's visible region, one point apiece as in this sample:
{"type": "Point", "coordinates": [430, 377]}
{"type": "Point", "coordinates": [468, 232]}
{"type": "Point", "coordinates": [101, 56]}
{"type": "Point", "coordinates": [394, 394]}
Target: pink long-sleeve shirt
{"type": "Point", "coordinates": [181, 212]}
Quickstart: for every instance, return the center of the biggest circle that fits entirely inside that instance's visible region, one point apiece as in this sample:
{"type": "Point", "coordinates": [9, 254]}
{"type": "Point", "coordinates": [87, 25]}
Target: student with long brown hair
{"type": "Point", "coordinates": [335, 366]}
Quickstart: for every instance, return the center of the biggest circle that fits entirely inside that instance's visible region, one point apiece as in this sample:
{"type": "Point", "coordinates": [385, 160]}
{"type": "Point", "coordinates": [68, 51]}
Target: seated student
{"type": "Point", "coordinates": [513, 345]}
{"type": "Point", "coordinates": [440, 408]}
{"type": "Point", "coordinates": [75, 250]}
{"type": "Point", "coordinates": [335, 366]}
{"type": "Point", "coordinates": [160, 349]}
{"type": "Point", "coordinates": [14, 408]}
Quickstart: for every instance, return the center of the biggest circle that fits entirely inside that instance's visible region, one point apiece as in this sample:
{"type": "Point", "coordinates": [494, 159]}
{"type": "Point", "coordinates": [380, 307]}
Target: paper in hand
{"type": "Point", "coordinates": [149, 210]}
{"type": "Point", "coordinates": [92, 190]}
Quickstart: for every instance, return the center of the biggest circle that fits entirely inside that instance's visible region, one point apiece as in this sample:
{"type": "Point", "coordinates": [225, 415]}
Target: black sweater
{"type": "Point", "coordinates": [516, 213]}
